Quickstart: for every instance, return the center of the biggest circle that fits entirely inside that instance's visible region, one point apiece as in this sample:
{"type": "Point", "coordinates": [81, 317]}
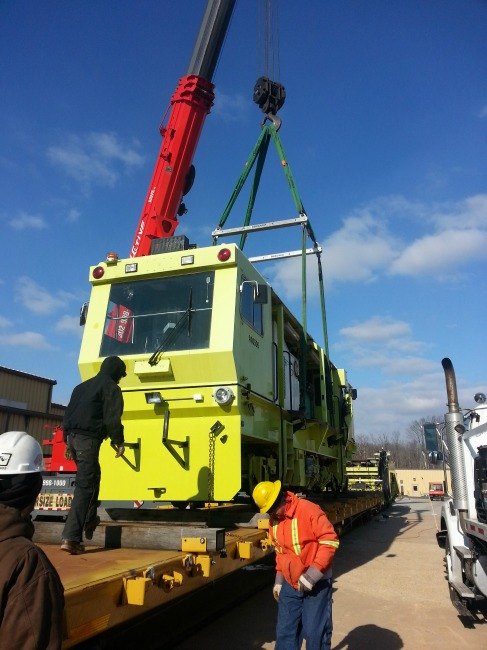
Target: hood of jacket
{"type": "Point", "coordinates": [114, 367]}
{"type": "Point", "coordinates": [12, 524]}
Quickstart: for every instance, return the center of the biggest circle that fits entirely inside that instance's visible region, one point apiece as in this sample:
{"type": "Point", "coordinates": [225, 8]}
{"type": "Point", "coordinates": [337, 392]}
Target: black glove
{"type": "Point", "coordinates": [120, 451]}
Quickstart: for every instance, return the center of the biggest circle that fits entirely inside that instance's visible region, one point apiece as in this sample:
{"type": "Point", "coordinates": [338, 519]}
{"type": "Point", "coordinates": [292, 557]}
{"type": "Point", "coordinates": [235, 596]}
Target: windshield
{"type": "Point", "coordinates": [172, 312]}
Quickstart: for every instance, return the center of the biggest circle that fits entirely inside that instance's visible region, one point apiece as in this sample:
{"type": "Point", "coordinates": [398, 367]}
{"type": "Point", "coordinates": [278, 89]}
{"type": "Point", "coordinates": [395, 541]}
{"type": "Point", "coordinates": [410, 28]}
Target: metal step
{"type": "Point", "coordinates": [462, 590]}
{"type": "Point", "coordinates": [463, 552]}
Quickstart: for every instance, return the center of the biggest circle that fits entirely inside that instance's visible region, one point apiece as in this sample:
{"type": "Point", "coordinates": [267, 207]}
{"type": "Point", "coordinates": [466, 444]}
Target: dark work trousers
{"type": "Point", "coordinates": [304, 615]}
{"type": "Point", "coordinates": [85, 450]}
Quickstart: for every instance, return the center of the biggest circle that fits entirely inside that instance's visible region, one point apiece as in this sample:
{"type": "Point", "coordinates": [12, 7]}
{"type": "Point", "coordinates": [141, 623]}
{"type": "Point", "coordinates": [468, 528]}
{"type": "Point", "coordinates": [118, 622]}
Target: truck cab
{"type": "Point", "coordinates": [436, 491]}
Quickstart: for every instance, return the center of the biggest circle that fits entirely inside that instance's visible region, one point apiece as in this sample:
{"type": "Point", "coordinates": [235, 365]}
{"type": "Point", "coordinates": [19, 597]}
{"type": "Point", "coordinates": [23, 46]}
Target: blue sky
{"type": "Point", "coordinates": [384, 128]}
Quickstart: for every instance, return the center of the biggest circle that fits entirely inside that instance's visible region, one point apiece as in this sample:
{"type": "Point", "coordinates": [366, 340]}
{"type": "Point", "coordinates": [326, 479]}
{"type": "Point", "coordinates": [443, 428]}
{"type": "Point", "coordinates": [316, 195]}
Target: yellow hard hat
{"type": "Point", "coordinates": [265, 494]}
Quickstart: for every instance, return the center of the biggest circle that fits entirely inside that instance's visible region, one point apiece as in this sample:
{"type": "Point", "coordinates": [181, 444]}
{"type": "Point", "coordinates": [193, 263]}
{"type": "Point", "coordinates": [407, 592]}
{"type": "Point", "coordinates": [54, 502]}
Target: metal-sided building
{"type": "Point", "coordinates": [26, 404]}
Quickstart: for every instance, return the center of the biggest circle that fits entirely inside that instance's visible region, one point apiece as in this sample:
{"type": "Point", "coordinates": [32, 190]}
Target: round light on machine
{"type": "Point", "coordinates": [112, 257]}
{"type": "Point", "coordinates": [224, 254]}
{"type": "Point", "coordinates": [98, 272]}
{"type": "Point", "coordinates": [223, 395]}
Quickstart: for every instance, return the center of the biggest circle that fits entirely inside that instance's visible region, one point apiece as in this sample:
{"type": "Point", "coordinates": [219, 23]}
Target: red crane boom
{"type": "Point", "coordinates": [191, 102]}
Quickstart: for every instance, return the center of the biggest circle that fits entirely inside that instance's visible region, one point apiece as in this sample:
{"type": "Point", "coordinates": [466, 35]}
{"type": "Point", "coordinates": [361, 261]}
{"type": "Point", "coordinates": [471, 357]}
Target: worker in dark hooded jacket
{"type": "Point", "coordinates": [31, 592]}
{"type": "Point", "coordinates": [94, 413]}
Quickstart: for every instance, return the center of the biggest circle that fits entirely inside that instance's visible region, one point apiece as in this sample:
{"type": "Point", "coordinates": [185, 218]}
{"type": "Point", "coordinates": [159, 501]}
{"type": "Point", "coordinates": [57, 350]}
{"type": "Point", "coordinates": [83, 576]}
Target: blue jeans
{"type": "Point", "coordinates": [305, 616]}
{"type": "Point", "coordinates": [85, 450]}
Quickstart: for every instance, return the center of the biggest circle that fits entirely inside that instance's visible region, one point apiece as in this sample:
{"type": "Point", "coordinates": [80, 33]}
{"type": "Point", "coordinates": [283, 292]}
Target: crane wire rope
{"type": "Point", "coordinates": [268, 39]}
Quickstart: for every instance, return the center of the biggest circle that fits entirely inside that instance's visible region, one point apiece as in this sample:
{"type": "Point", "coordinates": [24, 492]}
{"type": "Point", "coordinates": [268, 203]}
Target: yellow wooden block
{"type": "Point", "coordinates": [193, 544]}
{"type": "Point", "coordinates": [244, 550]}
{"type": "Point", "coordinates": [136, 589]}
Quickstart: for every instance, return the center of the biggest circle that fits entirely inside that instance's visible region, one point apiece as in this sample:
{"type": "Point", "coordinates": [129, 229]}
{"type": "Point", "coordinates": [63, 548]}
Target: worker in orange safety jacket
{"type": "Point", "coordinates": [305, 543]}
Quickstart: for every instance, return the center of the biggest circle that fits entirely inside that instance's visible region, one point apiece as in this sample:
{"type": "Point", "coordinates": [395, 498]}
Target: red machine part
{"type": "Point", "coordinates": [57, 462]}
{"type": "Point", "coordinates": [191, 102]}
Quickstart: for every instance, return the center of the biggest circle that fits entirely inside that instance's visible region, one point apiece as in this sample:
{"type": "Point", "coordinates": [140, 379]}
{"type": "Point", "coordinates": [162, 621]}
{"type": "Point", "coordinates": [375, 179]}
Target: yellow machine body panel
{"type": "Point", "coordinates": [212, 396]}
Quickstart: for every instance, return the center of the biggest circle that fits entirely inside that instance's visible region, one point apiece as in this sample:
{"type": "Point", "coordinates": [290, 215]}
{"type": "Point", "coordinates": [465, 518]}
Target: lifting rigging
{"type": "Point", "coordinates": [211, 331]}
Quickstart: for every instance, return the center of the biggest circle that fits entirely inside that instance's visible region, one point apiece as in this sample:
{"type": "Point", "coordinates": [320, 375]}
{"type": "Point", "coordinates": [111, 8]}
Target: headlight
{"type": "Point", "coordinates": [223, 395]}
{"type": "Point", "coordinates": [153, 398]}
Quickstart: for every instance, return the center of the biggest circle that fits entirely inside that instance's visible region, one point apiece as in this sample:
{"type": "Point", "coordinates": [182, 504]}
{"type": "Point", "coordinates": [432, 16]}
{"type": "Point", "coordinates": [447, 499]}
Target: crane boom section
{"type": "Point", "coordinates": [191, 103]}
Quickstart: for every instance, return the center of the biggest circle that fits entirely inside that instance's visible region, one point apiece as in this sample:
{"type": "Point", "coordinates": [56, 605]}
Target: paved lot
{"type": "Point", "coordinates": [390, 593]}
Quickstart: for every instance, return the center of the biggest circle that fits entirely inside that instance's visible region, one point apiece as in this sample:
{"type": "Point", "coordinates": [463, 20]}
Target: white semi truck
{"type": "Point", "coordinates": [463, 532]}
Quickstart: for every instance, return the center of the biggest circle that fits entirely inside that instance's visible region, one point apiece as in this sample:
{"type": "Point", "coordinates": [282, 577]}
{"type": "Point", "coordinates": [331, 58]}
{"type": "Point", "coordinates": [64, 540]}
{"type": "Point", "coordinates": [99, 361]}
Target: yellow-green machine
{"type": "Point", "coordinates": [224, 388]}
{"type": "Point", "coordinates": [211, 395]}
{"type": "Point", "coordinates": [373, 475]}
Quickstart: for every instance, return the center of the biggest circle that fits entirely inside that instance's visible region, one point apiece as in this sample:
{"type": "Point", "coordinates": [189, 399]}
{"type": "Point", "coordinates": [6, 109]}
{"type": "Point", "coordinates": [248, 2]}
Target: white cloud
{"type": "Point", "coordinates": [444, 252]}
{"type": "Point", "coordinates": [469, 213]}
{"type": "Point", "coordinates": [387, 346]}
{"type": "Point", "coordinates": [69, 325]}
{"type": "Point", "coordinates": [95, 159]}
{"type": "Point", "coordinates": [285, 276]}
{"type": "Point", "coordinates": [376, 329]}
{"type": "Point", "coordinates": [397, 404]}
{"type": "Point", "coordinates": [36, 299]}
{"type": "Point", "coordinates": [394, 406]}
{"type": "Point", "coordinates": [25, 221]}
{"type": "Point", "coordinates": [231, 108]}
{"type": "Point", "coordinates": [397, 365]}
{"type": "Point", "coordinates": [4, 322]}
{"type": "Point", "coordinates": [73, 215]}
{"type": "Point", "coordinates": [26, 340]}
{"type": "Point", "coordinates": [404, 345]}
{"type": "Point", "coordinates": [389, 236]}
{"type": "Point", "coordinates": [108, 147]}
{"type": "Point", "coordinates": [359, 250]}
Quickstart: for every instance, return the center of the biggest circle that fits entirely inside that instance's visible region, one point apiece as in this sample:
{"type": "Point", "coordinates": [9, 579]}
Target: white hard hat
{"type": "Point", "coordinates": [20, 453]}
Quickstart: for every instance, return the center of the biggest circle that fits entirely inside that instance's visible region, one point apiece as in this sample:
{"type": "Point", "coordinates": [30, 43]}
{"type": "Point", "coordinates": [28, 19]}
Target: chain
{"type": "Point", "coordinates": [211, 466]}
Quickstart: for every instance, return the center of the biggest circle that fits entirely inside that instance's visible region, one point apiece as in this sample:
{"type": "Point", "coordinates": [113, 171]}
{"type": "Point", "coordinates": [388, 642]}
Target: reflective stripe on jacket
{"type": "Point", "coordinates": [303, 538]}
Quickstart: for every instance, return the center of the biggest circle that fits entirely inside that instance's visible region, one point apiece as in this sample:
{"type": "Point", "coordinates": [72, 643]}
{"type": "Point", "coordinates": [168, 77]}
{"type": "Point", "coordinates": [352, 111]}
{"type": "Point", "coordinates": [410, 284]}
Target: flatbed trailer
{"type": "Point", "coordinates": [105, 588]}
{"type": "Point", "coordinates": [109, 587]}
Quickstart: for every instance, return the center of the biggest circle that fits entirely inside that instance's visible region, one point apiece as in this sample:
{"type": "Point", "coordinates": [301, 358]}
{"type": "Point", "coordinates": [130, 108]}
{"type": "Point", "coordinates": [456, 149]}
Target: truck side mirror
{"type": "Point", "coordinates": [430, 433]}
{"type": "Point", "coordinates": [260, 294]}
{"type": "Point", "coordinates": [435, 457]}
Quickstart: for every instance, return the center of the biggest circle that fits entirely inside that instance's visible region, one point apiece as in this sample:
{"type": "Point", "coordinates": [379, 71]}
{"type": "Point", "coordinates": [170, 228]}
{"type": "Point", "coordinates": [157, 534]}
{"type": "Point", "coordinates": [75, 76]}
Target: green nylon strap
{"type": "Point", "coordinates": [257, 158]}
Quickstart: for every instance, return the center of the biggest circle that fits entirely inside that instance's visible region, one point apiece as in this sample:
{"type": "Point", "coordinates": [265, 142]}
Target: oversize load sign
{"type": "Point", "coordinates": [51, 501]}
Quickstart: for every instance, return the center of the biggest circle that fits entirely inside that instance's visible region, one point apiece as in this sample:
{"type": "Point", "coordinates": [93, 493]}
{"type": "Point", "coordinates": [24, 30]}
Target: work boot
{"type": "Point", "coordinates": [72, 547]}
{"type": "Point", "coordinates": [90, 527]}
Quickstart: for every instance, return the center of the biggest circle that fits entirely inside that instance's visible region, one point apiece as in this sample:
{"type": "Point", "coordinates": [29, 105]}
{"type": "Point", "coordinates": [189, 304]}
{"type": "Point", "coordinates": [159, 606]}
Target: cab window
{"type": "Point", "coordinates": [250, 311]}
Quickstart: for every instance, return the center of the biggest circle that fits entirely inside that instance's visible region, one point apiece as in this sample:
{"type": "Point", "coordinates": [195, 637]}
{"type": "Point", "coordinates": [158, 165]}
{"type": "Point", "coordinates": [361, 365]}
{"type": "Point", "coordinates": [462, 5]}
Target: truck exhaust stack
{"type": "Point", "coordinates": [454, 432]}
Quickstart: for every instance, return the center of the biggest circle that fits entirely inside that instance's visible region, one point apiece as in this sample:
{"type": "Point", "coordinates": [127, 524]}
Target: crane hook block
{"type": "Point", "coordinates": [269, 95]}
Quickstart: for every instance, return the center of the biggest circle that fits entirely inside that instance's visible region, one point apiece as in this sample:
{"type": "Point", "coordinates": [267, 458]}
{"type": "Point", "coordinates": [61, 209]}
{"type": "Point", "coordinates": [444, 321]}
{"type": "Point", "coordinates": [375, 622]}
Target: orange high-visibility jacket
{"type": "Point", "coordinates": [303, 538]}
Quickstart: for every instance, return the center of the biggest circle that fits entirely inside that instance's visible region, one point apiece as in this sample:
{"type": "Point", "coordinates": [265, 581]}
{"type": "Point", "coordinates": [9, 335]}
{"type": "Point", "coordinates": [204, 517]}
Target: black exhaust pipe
{"type": "Point", "coordinates": [451, 386]}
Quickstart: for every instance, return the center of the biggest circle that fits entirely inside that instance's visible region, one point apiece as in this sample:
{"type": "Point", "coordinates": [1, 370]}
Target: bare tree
{"type": "Point", "coordinates": [415, 435]}
{"type": "Point", "coordinates": [406, 451]}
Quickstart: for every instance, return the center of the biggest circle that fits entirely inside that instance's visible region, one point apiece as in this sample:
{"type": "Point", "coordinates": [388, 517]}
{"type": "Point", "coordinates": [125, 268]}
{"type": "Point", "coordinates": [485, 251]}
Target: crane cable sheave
{"type": "Point", "coordinates": [270, 96]}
